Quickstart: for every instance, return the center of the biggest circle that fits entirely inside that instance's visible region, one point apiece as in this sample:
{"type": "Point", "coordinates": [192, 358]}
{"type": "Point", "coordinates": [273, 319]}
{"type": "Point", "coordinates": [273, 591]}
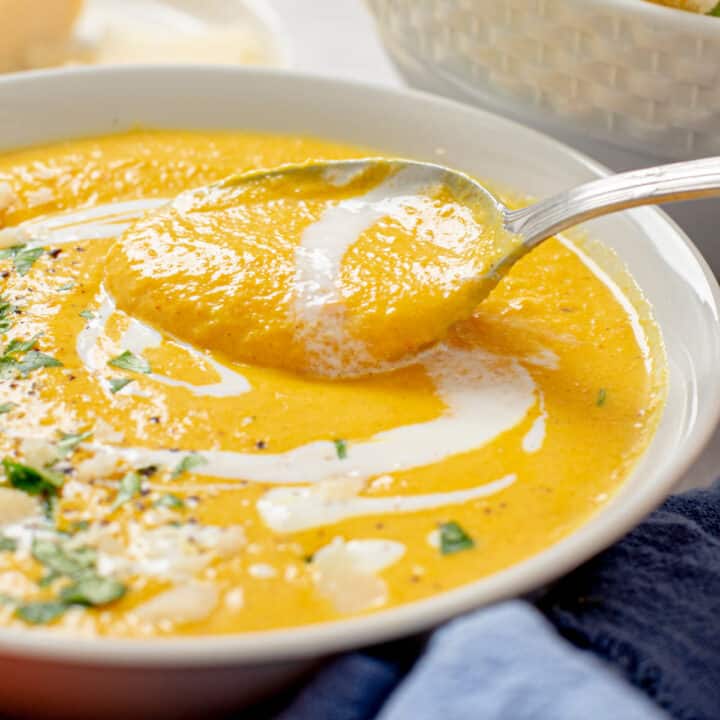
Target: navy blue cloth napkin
{"type": "Point", "coordinates": [649, 608]}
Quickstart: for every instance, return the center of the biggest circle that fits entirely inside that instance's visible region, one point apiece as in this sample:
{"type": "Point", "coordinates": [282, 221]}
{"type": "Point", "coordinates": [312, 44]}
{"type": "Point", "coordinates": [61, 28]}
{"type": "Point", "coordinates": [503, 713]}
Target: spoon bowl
{"type": "Point", "coordinates": [489, 239]}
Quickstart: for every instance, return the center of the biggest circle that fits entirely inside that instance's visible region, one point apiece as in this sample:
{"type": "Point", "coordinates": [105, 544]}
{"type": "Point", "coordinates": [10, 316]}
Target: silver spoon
{"type": "Point", "coordinates": [535, 223]}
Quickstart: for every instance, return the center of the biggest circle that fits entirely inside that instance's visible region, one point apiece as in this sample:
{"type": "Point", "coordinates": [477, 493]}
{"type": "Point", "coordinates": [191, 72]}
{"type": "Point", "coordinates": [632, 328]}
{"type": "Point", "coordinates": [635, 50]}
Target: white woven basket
{"type": "Point", "coordinates": [636, 74]}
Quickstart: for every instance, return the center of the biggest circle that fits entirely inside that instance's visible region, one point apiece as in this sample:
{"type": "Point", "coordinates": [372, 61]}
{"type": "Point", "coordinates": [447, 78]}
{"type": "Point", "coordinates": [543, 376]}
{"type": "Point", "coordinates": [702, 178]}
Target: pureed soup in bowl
{"type": "Point", "coordinates": [156, 486]}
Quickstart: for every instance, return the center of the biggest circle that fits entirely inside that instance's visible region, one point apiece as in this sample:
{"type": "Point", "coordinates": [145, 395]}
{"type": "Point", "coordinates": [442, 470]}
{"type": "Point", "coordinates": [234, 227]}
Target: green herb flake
{"type": "Point", "coordinates": [129, 488]}
{"type": "Point", "coordinates": [7, 407]}
{"type": "Point", "coordinates": [341, 449]}
{"type": "Point", "coordinates": [49, 578]}
{"type": "Point", "coordinates": [8, 367]}
{"type": "Point", "coordinates": [601, 397]}
{"type": "Point", "coordinates": [188, 464]}
{"type": "Point", "coordinates": [93, 590]}
{"type": "Point", "coordinates": [41, 613]}
{"type": "Point", "coordinates": [30, 479]}
{"type": "Point", "coordinates": [715, 12]}
{"type": "Point", "coordinates": [66, 287]}
{"type": "Point", "coordinates": [18, 347]}
{"type": "Point", "coordinates": [454, 539]}
{"type": "Point", "coordinates": [69, 441]}
{"type": "Point", "coordinates": [24, 258]}
{"type": "Point", "coordinates": [170, 501]}
{"type": "Point", "coordinates": [35, 360]}
{"type": "Point", "coordinates": [134, 363]}
{"type": "Point", "coordinates": [117, 384]}
{"type": "Point", "coordinates": [57, 558]}
{"type": "Point", "coordinates": [78, 526]}
{"type": "Point", "coordinates": [7, 544]}
{"type": "Point", "coordinates": [6, 311]}
{"type": "Point", "coordinates": [87, 314]}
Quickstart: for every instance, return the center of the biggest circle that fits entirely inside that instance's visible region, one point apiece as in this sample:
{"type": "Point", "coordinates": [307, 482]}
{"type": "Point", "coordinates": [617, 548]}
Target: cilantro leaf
{"type": "Point", "coordinates": [8, 367]}
{"type": "Point", "coordinates": [66, 287]}
{"type": "Point", "coordinates": [341, 449]}
{"type": "Point", "coordinates": [6, 310]}
{"type": "Point", "coordinates": [49, 578]}
{"type": "Point", "coordinates": [18, 347]}
{"type": "Point", "coordinates": [93, 590]}
{"type": "Point", "coordinates": [59, 559]}
{"type": "Point", "coordinates": [87, 314]}
{"type": "Point", "coordinates": [129, 488]}
{"type": "Point", "coordinates": [69, 441]}
{"type": "Point", "coordinates": [715, 12]}
{"type": "Point", "coordinates": [601, 397]}
{"type": "Point", "coordinates": [134, 363]}
{"type": "Point", "coordinates": [30, 479]}
{"type": "Point", "coordinates": [24, 258]}
{"type": "Point", "coordinates": [187, 464]}
{"type": "Point", "coordinates": [170, 501]}
{"type": "Point", "coordinates": [41, 613]}
{"type": "Point", "coordinates": [454, 539]}
{"type": "Point", "coordinates": [35, 360]}
{"type": "Point", "coordinates": [7, 407]}
{"type": "Point", "coordinates": [7, 544]}
{"type": "Point", "coordinates": [117, 384]}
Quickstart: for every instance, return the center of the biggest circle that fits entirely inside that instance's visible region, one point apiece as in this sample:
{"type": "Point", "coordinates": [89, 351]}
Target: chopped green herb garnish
{"type": "Point", "coordinates": [20, 356]}
{"type": "Point", "coordinates": [715, 12]}
{"type": "Point", "coordinates": [69, 441]}
{"type": "Point", "coordinates": [170, 501]}
{"type": "Point", "coordinates": [65, 561]}
{"type": "Point", "coordinates": [7, 407]}
{"type": "Point", "coordinates": [341, 449]}
{"type": "Point", "coordinates": [41, 613]}
{"type": "Point", "coordinates": [87, 314]}
{"type": "Point", "coordinates": [8, 367]}
{"type": "Point", "coordinates": [129, 488]}
{"type": "Point", "coordinates": [93, 590]}
{"type": "Point", "coordinates": [133, 363]}
{"type": "Point", "coordinates": [24, 258]}
{"type": "Point", "coordinates": [78, 526]}
{"type": "Point", "coordinates": [7, 544]}
{"type": "Point", "coordinates": [601, 397]}
{"type": "Point", "coordinates": [117, 384]}
{"type": "Point", "coordinates": [454, 539]}
{"type": "Point", "coordinates": [188, 463]}
{"type": "Point", "coordinates": [66, 287]}
{"type": "Point", "coordinates": [35, 360]}
{"type": "Point", "coordinates": [49, 578]}
{"type": "Point", "coordinates": [30, 479]}
{"type": "Point", "coordinates": [18, 347]}
{"type": "Point", "coordinates": [6, 311]}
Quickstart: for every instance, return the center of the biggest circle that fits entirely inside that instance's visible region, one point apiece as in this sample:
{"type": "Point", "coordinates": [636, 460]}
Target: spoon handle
{"type": "Point", "coordinates": [665, 183]}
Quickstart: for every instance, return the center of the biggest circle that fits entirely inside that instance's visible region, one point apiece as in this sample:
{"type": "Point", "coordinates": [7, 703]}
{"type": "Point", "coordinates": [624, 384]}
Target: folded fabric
{"type": "Point", "coordinates": [502, 662]}
{"type": "Point", "coordinates": [650, 605]}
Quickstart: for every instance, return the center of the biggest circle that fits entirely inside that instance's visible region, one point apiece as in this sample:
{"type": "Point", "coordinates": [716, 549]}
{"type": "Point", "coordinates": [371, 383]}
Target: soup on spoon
{"type": "Point", "coordinates": [334, 269]}
{"type": "Point", "coordinates": [348, 267]}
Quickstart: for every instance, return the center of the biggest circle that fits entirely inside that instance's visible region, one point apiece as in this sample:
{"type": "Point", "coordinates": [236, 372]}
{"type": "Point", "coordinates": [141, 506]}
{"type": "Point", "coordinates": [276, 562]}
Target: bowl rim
{"type": "Point", "coordinates": [316, 640]}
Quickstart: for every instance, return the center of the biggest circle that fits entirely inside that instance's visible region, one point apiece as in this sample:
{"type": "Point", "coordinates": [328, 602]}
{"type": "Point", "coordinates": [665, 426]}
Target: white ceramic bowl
{"type": "Point", "coordinates": [42, 674]}
{"type": "Point", "coordinates": [639, 75]}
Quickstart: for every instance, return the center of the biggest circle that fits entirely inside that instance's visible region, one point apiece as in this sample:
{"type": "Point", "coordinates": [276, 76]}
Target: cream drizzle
{"type": "Point", "coordinates": [295, 509]}
{"type": "Point", "coordinates": [466, 380]}
{"type": "Point", "coordinates": [137, 338]}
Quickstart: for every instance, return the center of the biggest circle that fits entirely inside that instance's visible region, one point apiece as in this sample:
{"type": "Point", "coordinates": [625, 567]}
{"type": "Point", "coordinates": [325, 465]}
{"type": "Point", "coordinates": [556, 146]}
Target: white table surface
{"type": "Point", "coordinates": [338, 38]}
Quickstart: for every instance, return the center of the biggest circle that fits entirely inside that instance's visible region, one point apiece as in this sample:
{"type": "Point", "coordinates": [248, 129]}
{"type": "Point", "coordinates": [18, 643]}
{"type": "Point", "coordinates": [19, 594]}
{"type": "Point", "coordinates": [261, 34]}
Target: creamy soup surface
{"type": "Point", "coordinates": [171, 468]}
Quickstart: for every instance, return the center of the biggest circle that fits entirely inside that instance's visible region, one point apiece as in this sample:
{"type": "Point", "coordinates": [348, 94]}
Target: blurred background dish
{"type": "Point", "coordinates": [625, 81]}
{"type": "Point", "coordinates": [44, 33]}
{"type": "Point", "coordinates": [636, 74]}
